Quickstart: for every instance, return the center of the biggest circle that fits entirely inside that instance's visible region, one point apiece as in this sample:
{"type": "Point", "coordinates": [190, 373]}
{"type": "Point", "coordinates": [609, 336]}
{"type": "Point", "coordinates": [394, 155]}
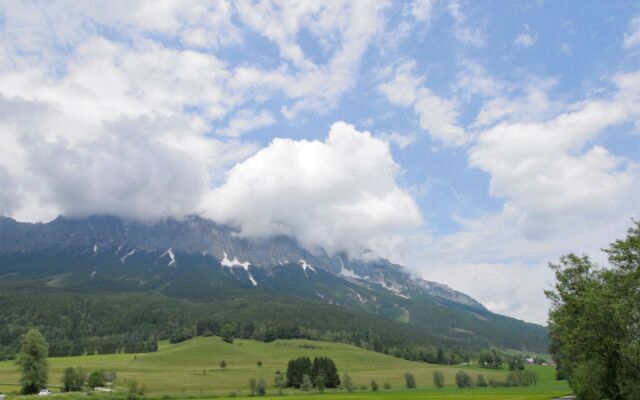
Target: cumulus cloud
{"type": "Point", "coordinates": [561, 193]}
{"type": "Point", "coordinates": [339, 194]}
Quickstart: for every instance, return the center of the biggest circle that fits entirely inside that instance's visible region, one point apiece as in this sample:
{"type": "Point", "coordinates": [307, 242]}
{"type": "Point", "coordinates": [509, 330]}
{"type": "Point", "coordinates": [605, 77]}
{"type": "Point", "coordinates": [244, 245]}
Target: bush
{"type": "Point", "coordinates": [135, 389]}
{"type": "Point", "coordinates": [463, 380]}
{"type": "Point", "coordinates": [306, 383]}
{"type": "Point", "coordinates": [521, 378]}
{"type": "Point", "coordinates": [259, 363]}
{"type": "Point", "coordinates": [374, 385]}
{"type": "Point", "coordinates": [73, 380]}
{"type": "Point", "coordinates": [233, 394]}
{"type": "Point", "coordinates": [320, 383]}
{"type": "Point", "coordinates": [387, 386]}
{"type": "Point", "coordinates": [347, 384]}
{"type": "Point", "coordinates": [223, 364]}
{"type": "Point", "coordinates": [96, 379]}
{"type": "Point", "coordinates": [261, 387]}
{"type": "Point", "coordinates": [481, 382]}
{"type": "Point", "coordinates": [438, 379]}
{"type": "Point", "coordinates": [409, 380]}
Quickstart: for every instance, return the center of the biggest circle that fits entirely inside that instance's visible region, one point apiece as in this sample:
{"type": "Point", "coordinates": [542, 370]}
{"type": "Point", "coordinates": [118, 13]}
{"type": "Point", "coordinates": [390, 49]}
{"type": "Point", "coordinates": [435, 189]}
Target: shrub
{"type": "Point", "coordinates": [73, 380]}
{"type": "Point", "coordinates": [233, 394]}
{"type": "Point", "coordinates": [306, 383]}
{"type": "Point", "coordinates": [97, 378]}
{"type": "Point", "coordinates": [438, 379]}
{"type": "Point", "coordinates": [409, 380]}
{"type": "Point", "coordinates": [374, 385]}
{"type": "Point", "coordinates": [347, 384]}
{"type": "Point", "coordinates": [387, 386]}
{"type": "Point", "coordinates": [261, 387]}
{"type": "Point", "coordinates": [259, 363]}
{"type": "Point", "coordinates": [481, 382]}
{"type": "Point", "coordinates": [223, 364]}
{"type": "Point", "coordinates": [135, 389]}
{"type": "Point", "coordinates": [463, 380]}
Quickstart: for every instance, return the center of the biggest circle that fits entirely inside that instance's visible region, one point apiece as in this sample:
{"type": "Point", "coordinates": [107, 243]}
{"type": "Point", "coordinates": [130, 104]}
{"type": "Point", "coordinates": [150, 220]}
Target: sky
{"type": "Point", "coordinates": [473, 142]}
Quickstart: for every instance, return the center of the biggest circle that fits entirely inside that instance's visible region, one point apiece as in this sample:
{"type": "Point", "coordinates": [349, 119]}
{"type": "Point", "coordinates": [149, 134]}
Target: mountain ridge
{"type": "Point", "coordinates": [198, 260]}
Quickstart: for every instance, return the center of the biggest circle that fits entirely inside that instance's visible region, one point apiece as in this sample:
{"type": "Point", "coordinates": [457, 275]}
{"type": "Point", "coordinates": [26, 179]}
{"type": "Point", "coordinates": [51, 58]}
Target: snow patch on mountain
{"type": "Point", "coordinates": [172, 257]}
{"type": "Point", "coordinates": [392, 288]}
{"type": "Point", "coordinates": [124, 258]}
{"type": "Point", "coordinates": [306, 266]}
{"type": "Point", "coordinates": [236, 263]}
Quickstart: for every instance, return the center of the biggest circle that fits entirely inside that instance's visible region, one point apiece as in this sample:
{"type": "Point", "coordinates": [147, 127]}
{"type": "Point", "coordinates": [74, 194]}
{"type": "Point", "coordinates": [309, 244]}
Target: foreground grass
{"type": "Point", "coordinates": [191, 369]}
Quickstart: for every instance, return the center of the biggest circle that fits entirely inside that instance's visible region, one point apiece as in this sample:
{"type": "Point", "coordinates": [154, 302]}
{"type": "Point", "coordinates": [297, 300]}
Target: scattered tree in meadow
{"type": "Point", "coordinates": [409, 380]}
{"type": "Point", "coordinates": [223, 364]}
{"type": "Point", "coordinates": [33, 362]}
{"type": "Point", "coordinates": [516, 363]}
{"type": "Point", "coordinates": [261, 387]}
{"type": "Point", "coordinates": [387, 386]}
{"type": "Point", "coordinates": [347, 383]}
{"type": "Point", "coordinates": [438, 379]}
{"type": "Point", "coordinates": [72, 379]}
{"type": "Point", "coordinates": [136, 389]}
{"type": "Point", "coordinates": [374, 385]}
{"type": "Point", "coordinates": [259, 363]}
{"type": "Point", "coordinates": [463, 380]}
{"type": "Point", "coordinates": [481, 382]}
{"type": "Point", "coordinates": [96, 379]}
{"type": "Point", "coordinates": [279, 381]}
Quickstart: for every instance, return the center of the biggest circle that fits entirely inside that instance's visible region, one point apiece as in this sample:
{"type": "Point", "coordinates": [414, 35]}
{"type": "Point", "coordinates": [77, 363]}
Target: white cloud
{"type": "Point", "coordinates": [247, 120]}
{"type": "Point", "coordinates": [632, 35]}
{"type": "Point", "coordinates": [339, 194]}
{"type": "Point", "coordinates": [402, 140]}
{"type": "Point", "coordinates": [343, 29]}
{"type": "Point", "coordinates": [423, 10]}
{"type": "Point", "coordinates": [473, 80]}
{"type": "Point", "coordinates": [437, 115]}
{"type": "Point", "coordinates": [561, 193]}
{"type": "Point", "coordinates": [526, 38]}
{"type": "Point", "coordinates": [565, 48]}
{"type": "Point", "coordinates": [464, 33]}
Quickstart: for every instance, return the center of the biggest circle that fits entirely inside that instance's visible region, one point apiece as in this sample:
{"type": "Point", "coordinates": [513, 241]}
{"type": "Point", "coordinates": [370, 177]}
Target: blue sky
{"type": "Point", "coordinates": [471, 141]}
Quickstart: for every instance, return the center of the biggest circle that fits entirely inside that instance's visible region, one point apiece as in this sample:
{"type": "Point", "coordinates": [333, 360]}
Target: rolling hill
{"type": "Point", "coordinates": [191, 368]}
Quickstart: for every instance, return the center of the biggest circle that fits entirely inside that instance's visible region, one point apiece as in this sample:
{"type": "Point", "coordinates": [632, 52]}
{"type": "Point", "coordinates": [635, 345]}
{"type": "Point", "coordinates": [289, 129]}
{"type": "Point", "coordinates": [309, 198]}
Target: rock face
{"type": "Point", "coordinates": [121, 240]}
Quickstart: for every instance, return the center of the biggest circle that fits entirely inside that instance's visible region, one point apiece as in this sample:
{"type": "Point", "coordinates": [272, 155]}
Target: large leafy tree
{"type": "Point", "coordinates": [33, 362]}
{"type": "Point", "coordinates": [594, 321]}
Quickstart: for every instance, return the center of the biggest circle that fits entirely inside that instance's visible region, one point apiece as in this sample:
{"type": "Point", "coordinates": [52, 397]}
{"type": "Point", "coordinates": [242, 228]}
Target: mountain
{"type": "Point", "coordinates": [209, 266]}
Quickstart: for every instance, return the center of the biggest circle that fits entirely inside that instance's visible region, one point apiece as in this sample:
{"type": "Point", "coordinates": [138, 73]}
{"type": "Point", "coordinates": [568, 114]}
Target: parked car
{"type": "Point", "coordinates": [44, 392]}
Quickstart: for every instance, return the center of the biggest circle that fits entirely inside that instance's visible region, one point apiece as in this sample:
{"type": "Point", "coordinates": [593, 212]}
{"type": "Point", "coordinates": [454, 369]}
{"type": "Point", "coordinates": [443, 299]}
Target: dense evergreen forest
{"type": "Point", "coordinates": [80, 323]}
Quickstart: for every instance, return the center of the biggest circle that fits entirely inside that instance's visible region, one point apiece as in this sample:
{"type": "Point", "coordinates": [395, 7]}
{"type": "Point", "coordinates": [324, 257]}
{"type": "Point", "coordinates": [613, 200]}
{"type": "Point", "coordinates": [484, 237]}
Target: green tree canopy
{"type": "Point", "coordinates": [33, 362]}
{"type": "Point", "coordinates": [594, 321]}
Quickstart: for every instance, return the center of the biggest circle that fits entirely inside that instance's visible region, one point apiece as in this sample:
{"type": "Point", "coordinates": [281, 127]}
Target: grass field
{"type": "Point", "coordinates": [192, 368]}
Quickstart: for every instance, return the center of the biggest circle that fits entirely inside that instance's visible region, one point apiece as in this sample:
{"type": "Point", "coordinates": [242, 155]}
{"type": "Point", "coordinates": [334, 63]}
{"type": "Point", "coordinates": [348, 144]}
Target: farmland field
{"type": "Point", "coordinates": [192, 368]}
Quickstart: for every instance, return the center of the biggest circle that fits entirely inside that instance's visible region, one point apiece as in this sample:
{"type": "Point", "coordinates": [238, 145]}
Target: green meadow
{"type": "Point", "coordinates": [192, 369]}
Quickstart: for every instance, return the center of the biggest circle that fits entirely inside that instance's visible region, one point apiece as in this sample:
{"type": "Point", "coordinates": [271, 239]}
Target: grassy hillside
{"type": "Point", "coordinates": [192, 368]}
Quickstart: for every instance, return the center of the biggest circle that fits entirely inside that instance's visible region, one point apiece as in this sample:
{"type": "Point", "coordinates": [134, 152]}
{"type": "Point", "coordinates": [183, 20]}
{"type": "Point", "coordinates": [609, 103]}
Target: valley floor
{"type": "Point", "coordinates": [192, 369]}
